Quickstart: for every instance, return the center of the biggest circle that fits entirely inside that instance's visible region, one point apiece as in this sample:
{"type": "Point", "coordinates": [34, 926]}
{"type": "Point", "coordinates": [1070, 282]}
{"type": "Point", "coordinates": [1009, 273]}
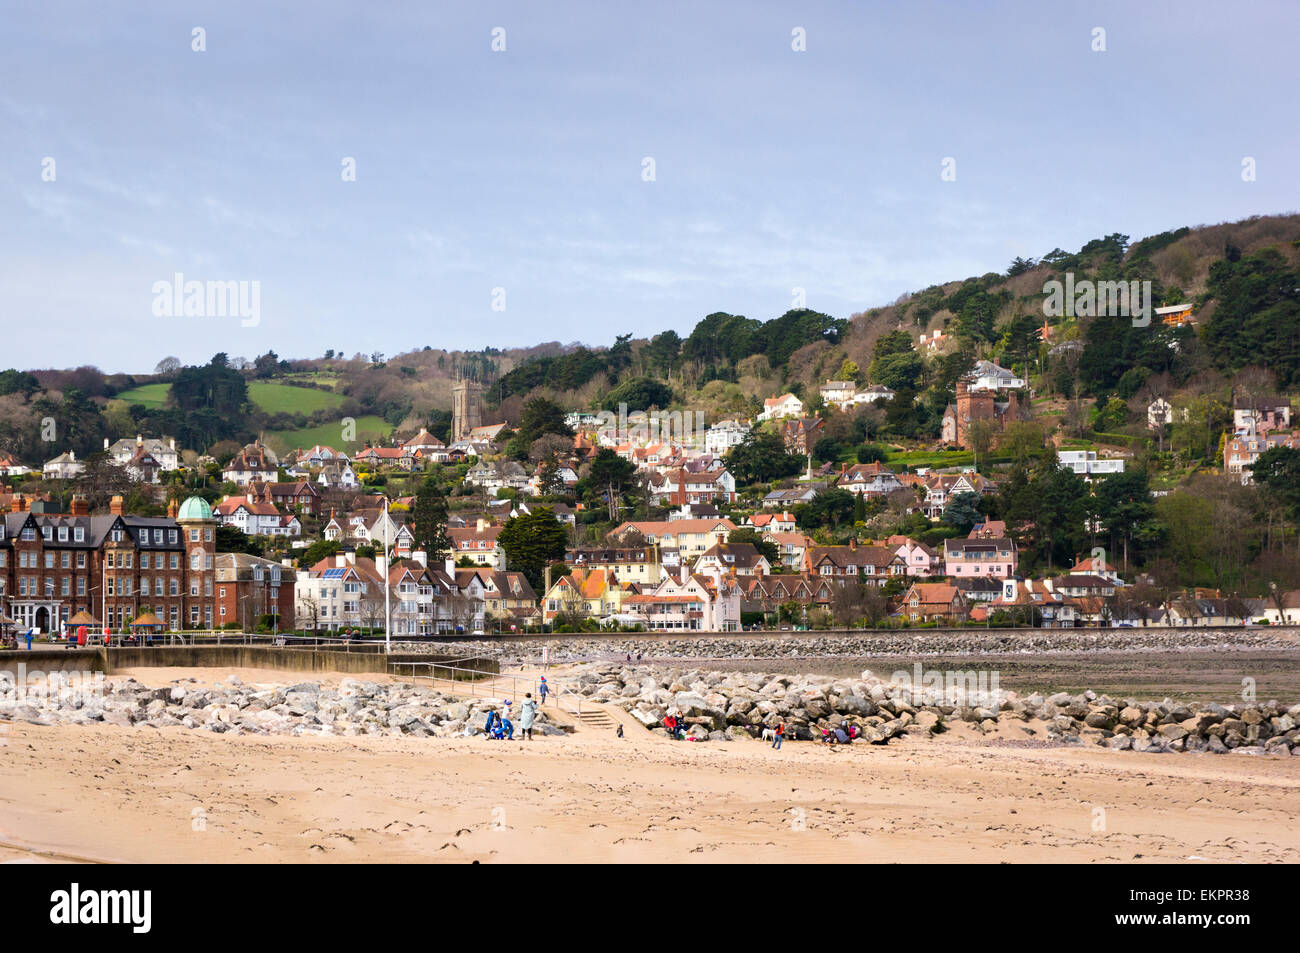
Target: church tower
{"type": "Point", "coordinates": [466, 408]}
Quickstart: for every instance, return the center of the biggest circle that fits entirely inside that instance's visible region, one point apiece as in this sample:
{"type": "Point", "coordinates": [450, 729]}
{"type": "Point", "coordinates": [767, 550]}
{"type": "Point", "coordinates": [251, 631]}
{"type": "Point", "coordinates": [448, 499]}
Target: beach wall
{"type": "Point", "coordinates": [224, 656]}
{"type": "Point", "coordinates": [53, 660]}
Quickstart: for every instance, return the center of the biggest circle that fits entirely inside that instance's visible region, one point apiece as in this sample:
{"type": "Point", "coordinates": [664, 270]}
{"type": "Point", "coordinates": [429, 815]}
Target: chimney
{"type": "Point", "coordinates": [481, 524]}
{"type": "Point", "coordinates": [853, 542]}
{"type": "Point", "coordinates": [351, 556]}
{"type": "Point", "coordinates": [421, 557]}
{"type": "Point", "coordinates": [340, 560]}
{"type": "Point", "coordinates": [116, 505]}
{"type": "Point", "coordinates": [139, 440]}
{"type": "Point", "coordinates": [449, 565]}
{"type": "Point", "coordinates": [79, 505]}
{"type": "Point", "coordinates": [172, 443]}
{"type": "Point", "coordinates": [381, 564]}
{"type": "Point", "coordinates": [105, 443]}
{"type": "Point", "coordinates": [16, 504]}
{"type": "Point", "coordinates": [172, 509]}
{"type": "Point", "coordinates": [72, 455]}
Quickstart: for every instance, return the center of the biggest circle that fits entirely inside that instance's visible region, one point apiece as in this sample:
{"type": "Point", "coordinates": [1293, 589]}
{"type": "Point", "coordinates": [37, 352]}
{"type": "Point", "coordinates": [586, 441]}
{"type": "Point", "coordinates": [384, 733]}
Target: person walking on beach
{"type": "Point", "coordinates": [543, 688]}
{"type": "Point", "coordinates": [527, 712]}
{"type": "Point", "coordinates": [777, 735]}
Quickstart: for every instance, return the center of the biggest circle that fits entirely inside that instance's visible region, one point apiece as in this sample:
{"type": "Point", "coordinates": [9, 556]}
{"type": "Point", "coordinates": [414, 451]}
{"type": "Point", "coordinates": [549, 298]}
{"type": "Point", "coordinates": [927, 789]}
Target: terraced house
{"type": "Point", "coordinates": [113, 566]}
{"type": "Point", "coordinates": [872, 565]}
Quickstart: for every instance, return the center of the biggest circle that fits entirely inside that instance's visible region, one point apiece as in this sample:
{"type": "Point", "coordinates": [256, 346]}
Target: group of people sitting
{"type": "Point", "coordinates": [842, 734]}
{"type": "Point", "coordinates": [499, 727]}
{"type": "Point", "coordinates": [675, 727]}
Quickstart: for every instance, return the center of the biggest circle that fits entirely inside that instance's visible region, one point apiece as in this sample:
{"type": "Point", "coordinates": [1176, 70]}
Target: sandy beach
{"type": "Point", "coordinates": [113, 794]}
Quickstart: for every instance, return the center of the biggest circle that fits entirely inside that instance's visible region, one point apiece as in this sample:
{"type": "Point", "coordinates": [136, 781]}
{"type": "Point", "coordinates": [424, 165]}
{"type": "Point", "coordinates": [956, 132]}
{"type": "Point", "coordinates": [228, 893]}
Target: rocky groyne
{"type": "Point", "coordinates": [354, 707]}
{"type": "Point", "coordinates": [722, 706]}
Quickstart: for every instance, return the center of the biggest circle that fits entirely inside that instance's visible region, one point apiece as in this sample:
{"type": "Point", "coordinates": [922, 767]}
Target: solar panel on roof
{"type": "Point", "coordinates": [334, 573]}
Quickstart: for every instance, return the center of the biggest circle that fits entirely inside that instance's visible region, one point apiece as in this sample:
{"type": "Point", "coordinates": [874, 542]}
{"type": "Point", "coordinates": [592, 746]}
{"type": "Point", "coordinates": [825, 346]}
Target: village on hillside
{"type": "Point", "coordinates": [648, 521]}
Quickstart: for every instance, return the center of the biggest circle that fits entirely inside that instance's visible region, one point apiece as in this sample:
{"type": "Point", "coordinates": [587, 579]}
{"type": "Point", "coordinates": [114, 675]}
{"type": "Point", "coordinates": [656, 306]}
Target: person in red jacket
{"type": "Point", "coordinates": [778, 735]}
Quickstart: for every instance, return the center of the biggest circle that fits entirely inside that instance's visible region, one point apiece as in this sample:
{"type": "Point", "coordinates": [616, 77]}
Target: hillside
{"type": "Point", "coordinates": [1240, 277]}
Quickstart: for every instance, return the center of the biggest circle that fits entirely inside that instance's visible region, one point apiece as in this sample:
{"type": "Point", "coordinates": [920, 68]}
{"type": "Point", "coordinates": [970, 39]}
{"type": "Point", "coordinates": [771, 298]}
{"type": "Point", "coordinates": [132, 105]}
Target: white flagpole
{"type": "Point", "coordinates": [388, 618]}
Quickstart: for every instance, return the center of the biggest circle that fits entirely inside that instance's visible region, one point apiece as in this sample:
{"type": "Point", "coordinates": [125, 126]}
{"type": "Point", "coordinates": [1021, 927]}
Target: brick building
{"type": "Point", "coordinates": [113, 566]}
{"type": "Point", "coordinates": [249, 587]}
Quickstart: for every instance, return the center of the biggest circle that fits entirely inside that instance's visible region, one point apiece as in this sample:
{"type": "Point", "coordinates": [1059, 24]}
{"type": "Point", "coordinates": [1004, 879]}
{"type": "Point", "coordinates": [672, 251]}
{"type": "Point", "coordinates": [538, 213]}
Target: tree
{"type": "Point", "coordinates": [827, 450]}
{"type": "Point", "coordinates": [848, 370]}
{"type": "Point", "coordinates": [1124, 504]}
{"type": "Point", "coordinates": [870, 453]}
{"type": "Point", "coordinates": [321, 549]}
{"type": "Point", "coordinates": [532, 541]}
{"type": "Point", "coordinates": [963, 511]}
{"type": "Point", "coordinates": [429, 521]}
{"type": "Point", "coordinates": [762, 457]}
{"type": "Point", "coordinates": [231, 539]}
{"type": "Point", "coordinates": [540, 417]}
{"type": "Point", "coordinates": [828, 508]}
{"type": "Point", "coordinates": [168, 365]}
{"type": "Point", "coordinates": [610, 474]}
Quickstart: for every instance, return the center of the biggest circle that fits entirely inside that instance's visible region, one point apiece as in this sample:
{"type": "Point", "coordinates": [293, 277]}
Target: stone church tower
{"type": "Point", "coordinates": [466, 408]}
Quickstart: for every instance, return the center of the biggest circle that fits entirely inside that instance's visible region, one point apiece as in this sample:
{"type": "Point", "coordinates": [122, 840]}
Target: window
{"type": "Point", "coordinates": [65, 560]}
{"type": "Point", "coordinates": [28, 533]}
{"type": "Point", "coordinates": [46, 533]}
{"type": "Point", "coordinates": [176, 561]}
{"type": "Point", "coordinates": [194, 536]}
{"type": "Point", "coordinates": [79, 534]}
{"type": "Point", "coordinates": [157, 537]}
{"type": "Point", "coordinates": [66, 587]}
{"type": "Point", "coordinates": [81, 585]}
{"type": "Point", "coordinates": [63, 534]}
{"type": "Point", "coordinates": [49, 560]}
{"type": "Point", "coordinates": [172, 536]}
{"type": "Point", "coordinates": [144, 586]}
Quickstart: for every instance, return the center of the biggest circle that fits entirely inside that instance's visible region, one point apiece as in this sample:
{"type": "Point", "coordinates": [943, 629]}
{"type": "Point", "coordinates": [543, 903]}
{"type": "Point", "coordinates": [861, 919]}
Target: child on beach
{"type": "Point", "coordinates": [543, 688]}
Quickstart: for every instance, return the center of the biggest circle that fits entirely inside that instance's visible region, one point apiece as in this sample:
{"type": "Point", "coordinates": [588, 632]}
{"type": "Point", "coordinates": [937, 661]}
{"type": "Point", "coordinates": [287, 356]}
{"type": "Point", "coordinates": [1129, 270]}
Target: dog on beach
{"type": "Point", "coordinates": [769, 734]}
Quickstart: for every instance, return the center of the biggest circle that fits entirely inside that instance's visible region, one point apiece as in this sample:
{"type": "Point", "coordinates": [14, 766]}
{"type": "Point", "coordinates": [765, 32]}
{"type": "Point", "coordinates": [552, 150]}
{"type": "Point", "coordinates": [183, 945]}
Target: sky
{"type": "Point", "coordinates": [616, 168]}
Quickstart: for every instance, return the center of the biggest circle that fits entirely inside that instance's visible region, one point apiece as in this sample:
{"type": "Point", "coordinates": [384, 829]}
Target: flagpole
{"type": "Point", "coordinates": [388, 619]}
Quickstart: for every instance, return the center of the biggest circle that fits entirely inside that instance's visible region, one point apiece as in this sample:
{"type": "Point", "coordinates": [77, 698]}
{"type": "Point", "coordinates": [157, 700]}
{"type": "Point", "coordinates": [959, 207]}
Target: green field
{"type": "Point", "coordinates": [284, 398]}
{"type": "Point", "coordinates": [150, 395]}
{"type": "Point", "coordinates": [270, 397]}
{"type": "Point", "coordinates": [329, 435]}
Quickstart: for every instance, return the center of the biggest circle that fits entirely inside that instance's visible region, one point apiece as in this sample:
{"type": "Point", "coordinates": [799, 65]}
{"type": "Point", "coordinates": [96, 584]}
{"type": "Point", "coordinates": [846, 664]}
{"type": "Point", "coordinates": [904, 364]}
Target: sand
{"type": "Point", "coordinates": [111, 794]}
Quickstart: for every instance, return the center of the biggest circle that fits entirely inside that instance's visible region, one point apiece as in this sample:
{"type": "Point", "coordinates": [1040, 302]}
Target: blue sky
{"type": "Point", "coordinates": [522, 169]}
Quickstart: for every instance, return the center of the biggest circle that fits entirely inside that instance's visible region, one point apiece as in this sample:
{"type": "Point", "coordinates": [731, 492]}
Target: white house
{"type": "Point", "coordinates": [787, 405]}
{"type": "Point", "coordinates": [1086, 464]}
{"type": "Point", "coordinates": [837, 393]}
{"type": "Point", "coordinates": [724, 435]}
{"type": "Point", "coordinates": [989, 376]}
{"type": "Point", "coordinates": [63, 467]}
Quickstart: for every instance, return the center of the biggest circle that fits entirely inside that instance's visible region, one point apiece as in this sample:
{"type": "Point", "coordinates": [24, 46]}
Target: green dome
{"type": "Point", "coordinates": [195, 508]}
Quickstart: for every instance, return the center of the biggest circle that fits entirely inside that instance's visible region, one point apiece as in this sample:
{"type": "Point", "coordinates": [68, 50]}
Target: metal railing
{"type": "Point", "coordinates": [564, 697]}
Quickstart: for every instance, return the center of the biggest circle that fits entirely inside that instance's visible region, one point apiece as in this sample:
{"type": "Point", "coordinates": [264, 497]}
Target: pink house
{"type": "Point", "coordinates": [986, 552]}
